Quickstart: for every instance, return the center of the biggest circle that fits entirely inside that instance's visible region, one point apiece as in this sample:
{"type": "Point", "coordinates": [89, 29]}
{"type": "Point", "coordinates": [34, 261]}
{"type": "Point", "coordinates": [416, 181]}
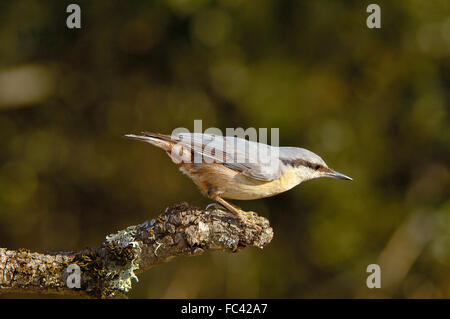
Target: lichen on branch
{"type": "Point", "coordinates": [108, 271]}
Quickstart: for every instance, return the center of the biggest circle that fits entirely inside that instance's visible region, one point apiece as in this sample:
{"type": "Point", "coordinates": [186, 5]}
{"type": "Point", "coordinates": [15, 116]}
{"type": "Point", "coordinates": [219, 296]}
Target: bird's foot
{"type": "Point", "coordinates": [237, 212]}
{"type": "Point", "coordinates": [243, 215]}
{"type": "Point", "coordinates": [233, 210]}
{"type": "Point", "coordinates": [223, 205]}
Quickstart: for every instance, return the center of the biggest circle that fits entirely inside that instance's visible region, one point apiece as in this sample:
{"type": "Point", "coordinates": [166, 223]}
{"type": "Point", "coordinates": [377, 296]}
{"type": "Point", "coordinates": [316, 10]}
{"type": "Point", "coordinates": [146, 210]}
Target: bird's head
{"type": "Point", "coordinates": [307, 165]}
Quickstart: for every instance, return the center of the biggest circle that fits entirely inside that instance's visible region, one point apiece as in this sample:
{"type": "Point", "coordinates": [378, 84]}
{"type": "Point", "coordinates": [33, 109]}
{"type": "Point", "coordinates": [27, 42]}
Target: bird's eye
{"type": "Point", "coordinates": [316, 167]}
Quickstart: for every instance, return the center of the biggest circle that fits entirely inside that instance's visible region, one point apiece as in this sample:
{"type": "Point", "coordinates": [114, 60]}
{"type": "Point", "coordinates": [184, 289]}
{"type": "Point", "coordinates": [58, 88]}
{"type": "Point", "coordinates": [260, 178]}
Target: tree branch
{"type": "Point", "coordinates": [107, 271]}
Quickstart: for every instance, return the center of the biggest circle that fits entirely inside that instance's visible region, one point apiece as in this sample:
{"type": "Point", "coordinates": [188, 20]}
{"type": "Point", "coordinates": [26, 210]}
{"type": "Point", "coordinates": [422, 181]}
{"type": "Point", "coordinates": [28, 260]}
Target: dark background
{"type": "Point", "coordinates": [373, 103]}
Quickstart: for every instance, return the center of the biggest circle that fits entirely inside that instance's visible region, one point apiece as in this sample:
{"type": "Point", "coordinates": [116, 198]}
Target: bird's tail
{"type": "Point", "coordinates": [159, 140]}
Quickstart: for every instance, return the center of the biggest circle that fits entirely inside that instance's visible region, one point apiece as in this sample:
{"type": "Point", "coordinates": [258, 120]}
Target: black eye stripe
{"type": "Point", "coordinates": [300, 162]}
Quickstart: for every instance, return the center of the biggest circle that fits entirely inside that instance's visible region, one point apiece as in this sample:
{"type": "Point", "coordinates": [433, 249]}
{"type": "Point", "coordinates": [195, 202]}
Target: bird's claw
{"type": "Point", "coordinates": [212, 206]}
{"type": "Point", "coordinates": [215, 206]}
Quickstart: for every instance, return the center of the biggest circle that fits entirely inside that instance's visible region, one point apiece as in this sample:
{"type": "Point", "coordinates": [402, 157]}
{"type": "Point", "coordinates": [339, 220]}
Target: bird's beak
{"type": "Point", "coordinates": [338, 175]}
{"type": "Point", "coordinates": [136, 137]}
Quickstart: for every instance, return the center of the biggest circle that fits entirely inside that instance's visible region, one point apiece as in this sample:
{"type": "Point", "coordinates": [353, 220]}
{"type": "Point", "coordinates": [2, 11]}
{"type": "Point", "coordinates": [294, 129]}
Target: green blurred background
{"type": "Point", "coordinates": [373, 103]}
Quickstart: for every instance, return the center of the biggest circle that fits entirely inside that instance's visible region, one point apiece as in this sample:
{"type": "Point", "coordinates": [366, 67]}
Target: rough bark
{"type": "Point", "coordinates": [107, 271]}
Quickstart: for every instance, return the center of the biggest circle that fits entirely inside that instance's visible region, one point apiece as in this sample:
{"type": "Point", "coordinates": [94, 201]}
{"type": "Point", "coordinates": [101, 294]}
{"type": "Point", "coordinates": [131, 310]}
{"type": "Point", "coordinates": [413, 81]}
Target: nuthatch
{"type": "Point", "coordinates": [235, 168]}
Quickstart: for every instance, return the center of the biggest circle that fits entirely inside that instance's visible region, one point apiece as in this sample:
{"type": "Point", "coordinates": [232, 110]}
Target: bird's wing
{"type": "Point", "coordinates": [255, 160]}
